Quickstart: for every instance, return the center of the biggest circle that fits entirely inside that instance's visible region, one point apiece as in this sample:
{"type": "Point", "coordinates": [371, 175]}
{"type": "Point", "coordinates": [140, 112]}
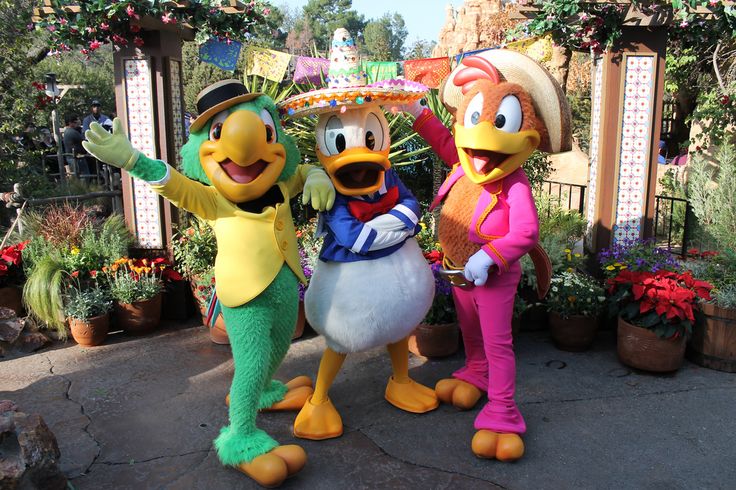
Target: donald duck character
{"type": "Point", "coordinates": [239, 172]}
{"type": "Point", "coordinates": [505, 105]}
{"type": "Point", "coordinates": [372, 285]}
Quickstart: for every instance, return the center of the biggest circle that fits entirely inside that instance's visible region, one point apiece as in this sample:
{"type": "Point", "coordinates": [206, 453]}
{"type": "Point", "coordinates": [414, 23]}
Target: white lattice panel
{"type": "Point", "coordinates": [636, 131]}
{"type": "Point", "coordinates": [177, 113]}
{"type": "Point", "coordinates": [139, 101]}
{"type": "Point", "coordinates": [595, 129]}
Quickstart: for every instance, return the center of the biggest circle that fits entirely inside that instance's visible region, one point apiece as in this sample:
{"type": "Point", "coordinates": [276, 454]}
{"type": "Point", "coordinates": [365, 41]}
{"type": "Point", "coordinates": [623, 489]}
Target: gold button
{"type": "Point", "coordinates": [280, 225]}
{"type": "Point", "coordinates": [284, 245]}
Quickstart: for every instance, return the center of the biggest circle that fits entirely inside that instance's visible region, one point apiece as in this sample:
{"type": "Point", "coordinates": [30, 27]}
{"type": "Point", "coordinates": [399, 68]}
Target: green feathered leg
{"type": "Point", "coordinates": [260, 334]}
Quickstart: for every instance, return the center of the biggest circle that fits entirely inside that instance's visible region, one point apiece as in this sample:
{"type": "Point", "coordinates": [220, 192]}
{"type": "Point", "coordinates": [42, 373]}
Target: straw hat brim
{"type": "Point", "coordinates": [550, 102]}
{"type": "Point", "coordinates": [332, 99]}
{"type": "Point", "coordinates": [202, 119]}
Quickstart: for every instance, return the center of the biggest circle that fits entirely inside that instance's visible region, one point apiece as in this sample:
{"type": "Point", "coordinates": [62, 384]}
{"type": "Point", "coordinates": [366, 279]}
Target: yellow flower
{"type": "Point", "coordinates": [624, 266]}
{"type": "Point", "coordinates": [578, 255]}
{"type": "Point", "coordinates": [617, 264]}
{"type": "Point", "coordinates": [424, 227]}
{"type": "Point", "coordinates": [75, 250]}
{"type": "Point", "coordinates": [567, 250]}
{"type": "Point", "coordinates": [610, 268]}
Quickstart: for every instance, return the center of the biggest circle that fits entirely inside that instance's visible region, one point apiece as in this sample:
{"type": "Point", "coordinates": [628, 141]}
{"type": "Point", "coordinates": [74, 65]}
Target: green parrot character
{"type": "Point", "coordinates": [239, 171]}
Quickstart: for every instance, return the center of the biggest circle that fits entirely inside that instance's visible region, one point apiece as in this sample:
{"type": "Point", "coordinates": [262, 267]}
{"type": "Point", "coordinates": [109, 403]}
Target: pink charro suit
{"type": "Point", "coordinates": [504, 224]}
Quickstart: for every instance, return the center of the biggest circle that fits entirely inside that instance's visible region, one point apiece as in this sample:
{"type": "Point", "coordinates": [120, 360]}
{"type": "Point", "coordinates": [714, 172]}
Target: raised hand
{"type": "Point", "coordinates": [114, 149]}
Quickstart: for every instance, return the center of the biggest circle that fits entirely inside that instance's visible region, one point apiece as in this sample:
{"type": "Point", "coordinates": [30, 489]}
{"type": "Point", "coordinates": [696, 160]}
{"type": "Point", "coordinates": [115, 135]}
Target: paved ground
{"type": "Point", "coordinates": [141, 413]}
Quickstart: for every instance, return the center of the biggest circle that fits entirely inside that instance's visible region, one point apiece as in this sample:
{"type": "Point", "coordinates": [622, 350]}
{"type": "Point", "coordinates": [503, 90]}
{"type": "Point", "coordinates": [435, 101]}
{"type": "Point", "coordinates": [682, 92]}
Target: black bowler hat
{"type": "Point", "coordinates": [218, 97]}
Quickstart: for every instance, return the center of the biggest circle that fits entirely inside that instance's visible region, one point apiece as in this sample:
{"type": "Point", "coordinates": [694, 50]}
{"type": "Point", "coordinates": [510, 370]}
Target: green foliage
{"type": "Point", "coordinates": [195, 249]}
{"type": "Point", "coordinates": [575, 293]}
{"type": "Point", "coordinates": [580, 105]}
{"type": "Point", "coordinates": [720, 271]}
{"type": "Point", "coordinates": [715, 204]}
{"type": "Point", "coordinates": [537, 168]}
{"type": "Point", "coordinates": [717, 113]}
{"type": "Point", "coordinates": [325, 16]}
{"type": "Point", "coordinates": [725, 297]}
{"type": "Point", "coordinates": [420, 49]}
{"type": "Point", "coordinates": [42, 292]}
{"type": "Point", "coordinates": [672, 213]}
{"type": "Point", "coordinates": [384, 38]}
{"type": "Point", "coordinates": [84, 304]}
{"type": "Point", "coordinates": [126, 287]}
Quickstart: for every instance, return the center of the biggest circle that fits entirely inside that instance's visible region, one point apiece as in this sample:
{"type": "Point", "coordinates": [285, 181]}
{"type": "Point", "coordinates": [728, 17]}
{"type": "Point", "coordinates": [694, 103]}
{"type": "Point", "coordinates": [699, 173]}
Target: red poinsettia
{"type": "Point", "coordinates": [434, 257]}
{"type": "Point", "coordinates": [662, 301]}
{"type": "Point", "coordinates": [11, 264]}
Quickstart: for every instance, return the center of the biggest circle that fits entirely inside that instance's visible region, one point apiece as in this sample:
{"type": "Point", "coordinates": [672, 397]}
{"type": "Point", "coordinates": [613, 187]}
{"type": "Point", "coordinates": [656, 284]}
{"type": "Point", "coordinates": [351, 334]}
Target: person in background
{"type": "Point", "coordinates": [27, 138]}
{"type": "Point", "coordinates": [681, 159]}
{"type": "Point", "coordinates": [73, 148]}
{"type": "Point", "coordinates": [96, 115]}
{"type": "Point", "coordinates": [662, 154]}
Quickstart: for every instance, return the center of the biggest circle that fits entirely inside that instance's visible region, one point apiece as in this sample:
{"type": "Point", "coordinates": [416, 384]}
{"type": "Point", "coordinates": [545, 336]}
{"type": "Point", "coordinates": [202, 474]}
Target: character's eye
{"type": "Point", "coordinates": [334, 138]}
{"type": "Point", "coordinates": [473, 111]}
{"type": "Point", "coordinates": [374, 132]}
{"type": "Point", "coordinates": [216, 125]}
{"type": "Point", "coordinates": [267, 119]}
{"type": "Point", "coordinates": [509, 116]}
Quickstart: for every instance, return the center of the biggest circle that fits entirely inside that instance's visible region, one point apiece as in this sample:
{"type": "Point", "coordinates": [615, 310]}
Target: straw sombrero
{"type": "Point", "coordinates": [347, 85]}
{"type": "Point", "coordinates": [550, 102]}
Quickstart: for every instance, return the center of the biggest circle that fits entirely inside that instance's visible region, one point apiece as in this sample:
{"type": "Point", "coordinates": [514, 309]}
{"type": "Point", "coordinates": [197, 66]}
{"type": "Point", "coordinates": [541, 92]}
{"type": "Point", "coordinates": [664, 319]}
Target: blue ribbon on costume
{"type": "Point", "coordinates": [222, 54]}
{"type": "Point", "coordinates": [214, 308]}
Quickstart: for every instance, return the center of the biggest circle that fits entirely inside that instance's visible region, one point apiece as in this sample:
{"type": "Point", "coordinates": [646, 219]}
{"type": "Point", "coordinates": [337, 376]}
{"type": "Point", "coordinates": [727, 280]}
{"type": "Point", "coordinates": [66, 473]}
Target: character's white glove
{"type": "Point", "coordinates": [319, 190]}
{"type": "Point", "coordinates": [386, 239]}
{"type": "Point", "coordinates": [386, 222]}
{"type": "Point", "coordinates": [414, 108]}
{"type": "Point", "coordinates": [476, 270]}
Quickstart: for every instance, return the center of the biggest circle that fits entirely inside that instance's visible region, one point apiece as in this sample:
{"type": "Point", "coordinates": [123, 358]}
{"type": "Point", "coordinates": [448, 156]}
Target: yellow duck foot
{"type": "Point", "coordinates": [318, 422]}
{"type": "Point", "coordinates": [501, 446]}
{"type": "Point", "coordinates": [457, 392]}
{"type": "Point", "coordinates": [298, 390]}
{"type": "Point", "coordinates": [271, 469]}
{"type": "Point", "coordinates": [411, 397]}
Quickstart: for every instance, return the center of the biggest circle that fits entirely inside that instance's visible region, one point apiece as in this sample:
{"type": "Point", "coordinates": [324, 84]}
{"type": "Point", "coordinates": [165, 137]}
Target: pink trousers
{"type": "Point", "coordinates": [484, 314]}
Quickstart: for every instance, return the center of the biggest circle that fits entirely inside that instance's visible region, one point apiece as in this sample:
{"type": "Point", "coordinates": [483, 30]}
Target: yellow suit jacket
{"type": "Point", "coordinates": [251, 247]}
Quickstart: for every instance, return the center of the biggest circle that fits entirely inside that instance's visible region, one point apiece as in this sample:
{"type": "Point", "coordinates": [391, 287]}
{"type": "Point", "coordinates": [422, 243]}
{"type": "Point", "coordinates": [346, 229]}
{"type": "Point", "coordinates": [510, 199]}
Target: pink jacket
{"type": "Point", "coordinates": [505, 219]}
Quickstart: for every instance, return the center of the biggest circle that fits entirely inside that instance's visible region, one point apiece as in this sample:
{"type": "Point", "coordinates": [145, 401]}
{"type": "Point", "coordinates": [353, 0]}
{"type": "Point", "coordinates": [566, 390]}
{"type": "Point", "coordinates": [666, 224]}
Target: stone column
{"type": "Point", "coordinates": [626, 118]}
{"type": "Point", "coordinates": [149, 100]}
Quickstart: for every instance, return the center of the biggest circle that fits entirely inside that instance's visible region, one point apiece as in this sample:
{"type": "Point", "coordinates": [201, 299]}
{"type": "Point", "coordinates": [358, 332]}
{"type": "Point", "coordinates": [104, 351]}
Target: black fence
{"type": "Point", "coordinates": [672, 215]}
{"type": "Point", "coordinates": [570, 196]}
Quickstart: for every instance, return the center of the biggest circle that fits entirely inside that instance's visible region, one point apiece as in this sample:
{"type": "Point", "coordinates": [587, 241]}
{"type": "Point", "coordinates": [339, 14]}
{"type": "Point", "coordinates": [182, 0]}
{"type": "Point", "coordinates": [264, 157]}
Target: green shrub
{"type": "Point", "coordinates": [84, 304]}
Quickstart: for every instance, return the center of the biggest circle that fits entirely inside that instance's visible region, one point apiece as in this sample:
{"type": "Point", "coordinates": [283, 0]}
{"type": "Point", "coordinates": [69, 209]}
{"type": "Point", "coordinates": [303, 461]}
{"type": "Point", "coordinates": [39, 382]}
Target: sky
{"type": "Point", "coordinates": [424, 18]}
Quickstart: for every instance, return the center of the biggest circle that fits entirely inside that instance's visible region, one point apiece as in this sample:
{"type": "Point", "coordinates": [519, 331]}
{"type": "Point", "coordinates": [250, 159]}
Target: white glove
{"type": "Point", "coordinates": [414, 108]}
{"type": "Point", "coordinates": [386, 222]}
{"type": "Point", "coordinates": [476, 270]}
{"type": "Point", "coordinates": [386, 239]}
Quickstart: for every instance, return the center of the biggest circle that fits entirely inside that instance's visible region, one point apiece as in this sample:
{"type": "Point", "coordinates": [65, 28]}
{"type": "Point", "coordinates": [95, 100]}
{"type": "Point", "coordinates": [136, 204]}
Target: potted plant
{"type": "Point", "coordinates": [309, 247]}
{"type": "Point", "coordinates": [574, 303]}
{"type": "Point", "coordinates": [656, 313]}
{"type": "Point", "coordinates": [136, 288]}
{"type": "Point", "coordinates": [713, 343]}
{"type": "Point", "coordinates": [203, 287]}
{"type": "Point", "coordinates": [11, 277]}
{"type": "Point", "coordinates": [88, 314]}
{"type": "Point", "coordinates": [437, 335]}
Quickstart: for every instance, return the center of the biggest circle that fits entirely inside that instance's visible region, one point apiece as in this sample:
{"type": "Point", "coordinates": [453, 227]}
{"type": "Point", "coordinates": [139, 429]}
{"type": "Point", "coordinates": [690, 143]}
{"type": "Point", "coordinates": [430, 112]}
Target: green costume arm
{"type": "Point", "coordinates": [316, 185]}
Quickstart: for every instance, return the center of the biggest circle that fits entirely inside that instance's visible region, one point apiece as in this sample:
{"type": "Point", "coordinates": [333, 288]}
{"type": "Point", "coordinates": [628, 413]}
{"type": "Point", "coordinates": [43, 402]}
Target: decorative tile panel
{"type": "Point", "coordinates": [139, 102]}
{"type": "Point", "coordinates": [636, 134]}
{"type": "Point", "coordinates": [595, 128]}
{"type": "Point", "coordinates": [177, 113]}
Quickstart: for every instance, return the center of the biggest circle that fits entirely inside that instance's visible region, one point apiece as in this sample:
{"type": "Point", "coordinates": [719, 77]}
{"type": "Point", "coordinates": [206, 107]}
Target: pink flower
{"type": "Point", "coordinates": [713, 3]}
{"type": "Point", "coordinates": [120, 40]}
{"type": "Point", "coordinates": [104, 26]}
{"type": "Point", "coordinates": [95, 45]}
{"type": "Point", "coordinates": [51, 28]}
{"type": "Point", "coordinates": [266, 11]}
{"type": "Point", "coordinates": [168, 18]}
{"type": "Point", "coordinates": [138, 41]}
{"type": "Point", "coordinates": [131, 13]}
{"type": "Point", "coordinates": [135, 28]}
{"type": "Point", "coordinates": [684, 23]}
{"type": "Point", "coordinates": [63, 21]}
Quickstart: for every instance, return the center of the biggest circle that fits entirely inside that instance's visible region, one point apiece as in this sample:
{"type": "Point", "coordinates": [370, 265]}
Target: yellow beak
{"type": "Point", "coordinates": [488, 154]}
{"type": "Point", "coordinates": [242, 165]}
{"type": "Point", "coordinates": [356, 171]}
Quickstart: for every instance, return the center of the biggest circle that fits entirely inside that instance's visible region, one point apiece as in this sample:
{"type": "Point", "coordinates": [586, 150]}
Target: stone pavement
{"type": "Point", "coordinates": [141, 413]}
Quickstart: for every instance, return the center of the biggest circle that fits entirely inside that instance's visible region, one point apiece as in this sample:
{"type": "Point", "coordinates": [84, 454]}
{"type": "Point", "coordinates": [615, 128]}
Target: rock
{"type": "Point", "coordinates": [32, 341]}
{"type": "Point", "coordinates": [10, 325]}
{"type": "Point", "coordinates": [30, 455]}
{"type": "Point", "coordinates": [468, 29]}
{"type": "Point", "coordinates": [8, 406]}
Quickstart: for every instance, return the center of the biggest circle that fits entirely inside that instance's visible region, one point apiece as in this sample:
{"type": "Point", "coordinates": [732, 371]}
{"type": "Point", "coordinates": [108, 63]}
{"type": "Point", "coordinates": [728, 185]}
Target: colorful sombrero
{"type": "Point", "coordinates": [346, 85]}
{"type": "Point", "coordinates": [550, 102]}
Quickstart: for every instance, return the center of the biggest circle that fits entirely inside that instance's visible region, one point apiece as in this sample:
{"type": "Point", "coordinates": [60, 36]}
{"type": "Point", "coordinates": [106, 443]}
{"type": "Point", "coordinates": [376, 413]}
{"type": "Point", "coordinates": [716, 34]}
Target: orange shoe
{"type": "Point", "coordinates": [411, 397]}
{"type": "Point", "coordinates": [271, 469]}
{"type": "Point", "coordinates": [317, 422]}
{"type": "Point", "coordinates": [501, 446]}
{"type": "Point", "coordinates": [457, 392]}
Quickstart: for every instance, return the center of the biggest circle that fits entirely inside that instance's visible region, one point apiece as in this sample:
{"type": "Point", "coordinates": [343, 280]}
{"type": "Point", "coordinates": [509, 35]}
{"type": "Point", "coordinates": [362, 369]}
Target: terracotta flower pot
{"type": "Point", "coordinates": [713, 344]}
{"type": "Point", "coordinates": [434, 340]}
{"type": "Point", "coordinates": [641, 348]}
{"type": "Point", "coordinates": [301, 321]}
{"type": "Point", "coordinates": [218, 332]}
{"type": "Point", "coordinates": [139, 317]}
{"type": "Point", "coordinates": [90, 332]}
{"type": "Point", "coordinates": [12, 297]}
{"type": "Point", "coordinates": [575, 333]}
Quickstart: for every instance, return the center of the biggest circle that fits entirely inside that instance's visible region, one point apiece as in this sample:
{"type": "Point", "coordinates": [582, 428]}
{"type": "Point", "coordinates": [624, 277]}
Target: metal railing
{"type": "Point", "coordinates": [574, 194]}
{"type": "Point", "coordinates": [672, 222]}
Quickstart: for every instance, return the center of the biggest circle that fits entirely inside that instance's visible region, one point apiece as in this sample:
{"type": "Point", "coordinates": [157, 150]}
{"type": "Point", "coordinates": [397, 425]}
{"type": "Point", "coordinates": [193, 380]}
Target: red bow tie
{"type": "Point", "coordinates": [366, 211]}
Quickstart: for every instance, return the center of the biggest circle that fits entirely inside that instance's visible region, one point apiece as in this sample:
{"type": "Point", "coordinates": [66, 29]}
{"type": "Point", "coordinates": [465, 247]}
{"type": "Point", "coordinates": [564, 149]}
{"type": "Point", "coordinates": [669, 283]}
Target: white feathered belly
{"type": "Point", "coordinates": [369, 303]}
